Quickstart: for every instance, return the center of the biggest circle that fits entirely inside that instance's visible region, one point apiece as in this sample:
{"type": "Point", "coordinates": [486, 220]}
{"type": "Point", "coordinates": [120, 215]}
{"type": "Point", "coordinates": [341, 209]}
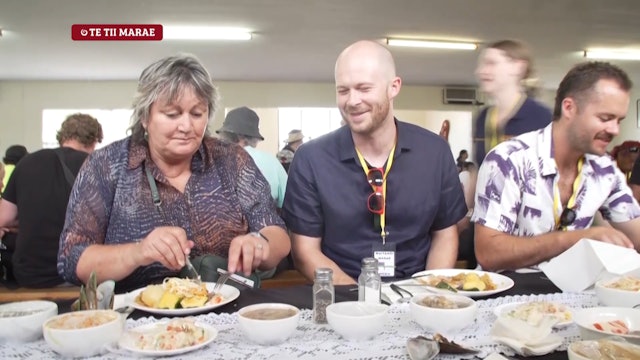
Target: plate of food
{"type": "Point", "coordinates": [533, 312]}
{"type": "Point", "coordinates": [166, 338]}
{"type": "Point", "coordinates": [472, 283]}
{"type": "Point", "coordinates": [176, 296]}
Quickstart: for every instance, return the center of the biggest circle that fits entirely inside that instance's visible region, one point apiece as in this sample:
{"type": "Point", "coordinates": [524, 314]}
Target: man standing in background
{"type": "Point", "coordinates": [38, 191]}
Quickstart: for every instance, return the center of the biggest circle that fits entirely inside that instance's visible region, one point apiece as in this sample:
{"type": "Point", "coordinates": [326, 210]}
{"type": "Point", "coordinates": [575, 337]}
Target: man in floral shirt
{"type": "Point", "coordinates": [537, 193]}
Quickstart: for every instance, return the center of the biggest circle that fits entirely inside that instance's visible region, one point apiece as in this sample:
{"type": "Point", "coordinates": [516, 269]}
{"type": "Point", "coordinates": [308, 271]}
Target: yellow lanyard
{"type": "Point", "coordinates": [493, 133]}
{"type": "Point", "coordinates": [363, 163]}
{"type": "Point", "coordinates": [557, 202]}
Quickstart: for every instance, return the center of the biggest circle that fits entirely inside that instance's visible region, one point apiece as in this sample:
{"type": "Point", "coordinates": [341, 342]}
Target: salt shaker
{"type": "Point", "coordinates": [369, 281]}
{"type": "Point", "coordinates": [323, 294]}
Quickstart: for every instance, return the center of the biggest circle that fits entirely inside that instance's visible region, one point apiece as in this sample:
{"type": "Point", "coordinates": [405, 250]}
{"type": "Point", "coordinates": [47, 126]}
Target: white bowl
{"type": "Point", "coordinates": [595, 346]}
{"type": "Point", "coordinates": [586, 318]}
{"type": "Point", "coordinates": [615, 297]}
{"type": "Point", "coordinates": [271, 331]}
{"type": "Point", "coordinates": [357, 320]}
{"type": "Point", "coordinates": [83, 333]}
{"type": "Point", "coordinates": [22, 321]}
{"type": "Point", "coordinates": [573, 355]}
{"type": "Point", "coordinates": [443, 320]}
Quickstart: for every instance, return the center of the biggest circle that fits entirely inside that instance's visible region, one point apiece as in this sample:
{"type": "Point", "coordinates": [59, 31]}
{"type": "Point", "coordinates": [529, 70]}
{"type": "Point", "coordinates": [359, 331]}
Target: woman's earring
{"type": "Point", "coordinates": [146, 135]}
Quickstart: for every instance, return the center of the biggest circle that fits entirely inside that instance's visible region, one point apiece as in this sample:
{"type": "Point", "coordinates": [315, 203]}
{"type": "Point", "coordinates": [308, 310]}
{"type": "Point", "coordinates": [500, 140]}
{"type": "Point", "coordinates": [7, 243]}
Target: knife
{"type": "Point", "coordinates": [432, 288]}
{"type": "Point", "coordinates": [237, 278]}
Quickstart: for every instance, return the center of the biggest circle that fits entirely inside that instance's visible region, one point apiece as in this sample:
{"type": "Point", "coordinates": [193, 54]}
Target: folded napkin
{"type": "Point", "coordinates": [121, 300]}
{"type": "Point", "coordinates": [588, 261]}
{"type": "Point", "coordinates": [526, 339]}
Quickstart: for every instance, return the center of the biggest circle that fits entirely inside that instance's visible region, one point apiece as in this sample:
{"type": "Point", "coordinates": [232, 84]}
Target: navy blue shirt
{"type": "Point", "coordinates": [531, 116]}
{"type": "Point", "coordinates": [327, 196]}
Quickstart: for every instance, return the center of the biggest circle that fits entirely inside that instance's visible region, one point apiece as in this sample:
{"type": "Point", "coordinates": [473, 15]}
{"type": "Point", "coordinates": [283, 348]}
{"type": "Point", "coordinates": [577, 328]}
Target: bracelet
{"type": "Point", "coordinates": [258, 234]}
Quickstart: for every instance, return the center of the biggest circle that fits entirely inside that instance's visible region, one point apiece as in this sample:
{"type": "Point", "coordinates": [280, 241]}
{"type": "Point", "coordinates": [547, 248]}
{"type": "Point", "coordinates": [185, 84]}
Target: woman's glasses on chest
{"type": "Point", "coordinates": [375, 202]}
{"type": "Point", "coordinates": [567, 218]}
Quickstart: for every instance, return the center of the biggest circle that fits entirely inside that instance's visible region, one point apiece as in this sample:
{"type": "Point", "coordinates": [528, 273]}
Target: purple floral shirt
{"type": "Point", "coordinates": [514, 193]}
{"type": "Point", "coordinates": [111, 203]}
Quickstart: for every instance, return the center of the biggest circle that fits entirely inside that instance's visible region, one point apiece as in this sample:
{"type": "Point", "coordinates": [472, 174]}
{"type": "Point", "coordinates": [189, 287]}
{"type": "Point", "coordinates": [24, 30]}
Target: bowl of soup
{"type": "Point", "coordinates": [357, 320]}
{"type": "Point", "coordinates": [443, 313]}
{"type": "Point", "coordinates": [270, 323]}
{"type": "Point", "coordinates": [83, 333]}
{"type": "Point", "coordinates": [622, 291]}
{"type": "Point", "coordinates": [22, 321]}
{"type": "Point", "coordinates": [603, 349]}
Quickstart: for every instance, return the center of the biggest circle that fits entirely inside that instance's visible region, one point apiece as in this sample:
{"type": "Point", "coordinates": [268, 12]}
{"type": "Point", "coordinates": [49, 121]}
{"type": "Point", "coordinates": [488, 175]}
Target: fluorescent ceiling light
{"type": "Point", "coordinates": [612, 54]}
{"type": "Point", "coordinates": [433, 44]}
{"type": "Point", "coordinates": [204, 33]}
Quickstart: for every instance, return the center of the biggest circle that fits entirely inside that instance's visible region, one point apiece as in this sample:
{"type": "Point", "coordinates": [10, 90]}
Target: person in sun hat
{"type": "Point", "coordinates": [292, 144]}
{"type": "Point", "coordinates": [241, 127]}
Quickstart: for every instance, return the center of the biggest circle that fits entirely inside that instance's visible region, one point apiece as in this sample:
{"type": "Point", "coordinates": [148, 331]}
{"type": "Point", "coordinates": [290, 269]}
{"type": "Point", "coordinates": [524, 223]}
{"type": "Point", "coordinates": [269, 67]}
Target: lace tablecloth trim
{"type": "Point", "coordinates": [311, 341]}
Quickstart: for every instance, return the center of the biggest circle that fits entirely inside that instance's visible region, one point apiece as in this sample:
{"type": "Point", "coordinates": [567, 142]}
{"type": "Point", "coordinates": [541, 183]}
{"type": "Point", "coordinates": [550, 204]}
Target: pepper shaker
{"type": "Point", "coordinates": [323, 294]}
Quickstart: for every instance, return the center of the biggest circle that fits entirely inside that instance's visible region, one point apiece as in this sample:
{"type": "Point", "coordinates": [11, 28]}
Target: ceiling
{"type": "Point", "coordinates": [299, 40]}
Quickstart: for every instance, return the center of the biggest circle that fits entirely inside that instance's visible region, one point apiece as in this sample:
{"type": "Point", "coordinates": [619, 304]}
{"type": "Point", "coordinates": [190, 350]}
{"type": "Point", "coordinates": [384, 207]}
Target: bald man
{"type": "Point", "coordinates": [377, 187]}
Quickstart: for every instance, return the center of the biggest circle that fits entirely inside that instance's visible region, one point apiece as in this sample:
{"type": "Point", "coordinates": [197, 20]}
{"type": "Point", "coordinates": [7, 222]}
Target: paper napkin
{"type": "Point", "coordinates": [588, 261]}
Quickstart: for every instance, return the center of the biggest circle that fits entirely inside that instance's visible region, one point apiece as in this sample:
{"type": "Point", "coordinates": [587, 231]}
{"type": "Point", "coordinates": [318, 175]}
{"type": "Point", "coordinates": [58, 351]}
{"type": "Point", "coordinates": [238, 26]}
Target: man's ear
{"type": "Point", "coordinates": [394, 87]}
{"type": "Point", "coordinates": [569, 107]}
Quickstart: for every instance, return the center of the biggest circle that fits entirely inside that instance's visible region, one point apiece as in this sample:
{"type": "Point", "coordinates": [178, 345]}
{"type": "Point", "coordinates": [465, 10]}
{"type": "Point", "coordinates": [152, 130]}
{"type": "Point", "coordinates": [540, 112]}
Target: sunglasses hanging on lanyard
{"type": "Point", "coordinates": [376, 203]}
{"type": "Point", "coordinates": [565, 217]}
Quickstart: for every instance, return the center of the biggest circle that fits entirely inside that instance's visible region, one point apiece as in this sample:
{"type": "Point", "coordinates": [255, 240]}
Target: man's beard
{"type": "Point", "coordinates": [378, 113]}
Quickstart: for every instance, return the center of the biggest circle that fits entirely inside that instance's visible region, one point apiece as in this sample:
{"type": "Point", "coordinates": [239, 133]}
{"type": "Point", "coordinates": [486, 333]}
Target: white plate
{"type": "Point", "coordinates": [505, 308]}
{"type": "Point", "coordinates": [587, 317]}
{"type": "Point", "coordinates": [502, 282]}
{"type": "Point", "coordinates": [126, 342]}
{"type": "Point", "coordinates": [228, 292]}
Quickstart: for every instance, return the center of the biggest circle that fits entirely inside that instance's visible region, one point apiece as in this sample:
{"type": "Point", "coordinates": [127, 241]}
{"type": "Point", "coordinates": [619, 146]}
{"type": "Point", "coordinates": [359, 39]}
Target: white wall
{"type": "Point", "coordinates": [22, 102]}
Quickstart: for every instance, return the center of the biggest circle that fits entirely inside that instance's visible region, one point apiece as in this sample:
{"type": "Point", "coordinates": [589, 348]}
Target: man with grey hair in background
{"type": "Point", "coordinates": [39, 191]}
{"type": "Point", "coordinates": [241, 127]}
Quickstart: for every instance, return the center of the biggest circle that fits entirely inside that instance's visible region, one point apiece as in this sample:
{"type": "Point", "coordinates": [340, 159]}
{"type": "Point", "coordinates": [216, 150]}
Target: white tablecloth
{"type": "Point", "coordinates": [311, 341]}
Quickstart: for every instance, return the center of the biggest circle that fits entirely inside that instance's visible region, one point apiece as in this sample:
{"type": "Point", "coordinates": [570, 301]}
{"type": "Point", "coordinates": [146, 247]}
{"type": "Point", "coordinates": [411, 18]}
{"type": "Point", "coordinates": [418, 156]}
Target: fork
{"type": "Point", "coordinates": [222, 278]}
{"type": "Point", "coordinates": [192, 273]}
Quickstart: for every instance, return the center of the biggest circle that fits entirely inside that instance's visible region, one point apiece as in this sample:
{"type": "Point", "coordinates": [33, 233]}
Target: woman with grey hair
{"type": "Point", "coordinates": [141, 206]}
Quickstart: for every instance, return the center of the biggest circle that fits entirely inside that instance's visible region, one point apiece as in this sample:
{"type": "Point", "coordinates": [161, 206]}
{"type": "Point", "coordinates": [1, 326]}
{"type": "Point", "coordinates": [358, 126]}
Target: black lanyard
{"type": "Point", "coordinates": [155, 195]}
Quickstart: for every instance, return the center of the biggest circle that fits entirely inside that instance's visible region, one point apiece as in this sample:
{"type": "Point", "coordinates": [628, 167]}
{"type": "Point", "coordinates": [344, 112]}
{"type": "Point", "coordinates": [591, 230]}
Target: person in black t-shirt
{"type": "Point", "coordinates": [39, 191]}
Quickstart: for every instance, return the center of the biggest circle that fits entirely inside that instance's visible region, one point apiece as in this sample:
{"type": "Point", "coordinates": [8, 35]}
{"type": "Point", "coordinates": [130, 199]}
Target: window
{"type": "Point", "coordinates": [313, 122]}
{"type": "Point", "coordinates": [114, 124]}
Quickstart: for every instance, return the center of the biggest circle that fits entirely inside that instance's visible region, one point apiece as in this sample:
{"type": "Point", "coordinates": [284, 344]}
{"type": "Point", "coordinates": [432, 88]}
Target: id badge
{"type": "Point", "coordinates": [386, 256]}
